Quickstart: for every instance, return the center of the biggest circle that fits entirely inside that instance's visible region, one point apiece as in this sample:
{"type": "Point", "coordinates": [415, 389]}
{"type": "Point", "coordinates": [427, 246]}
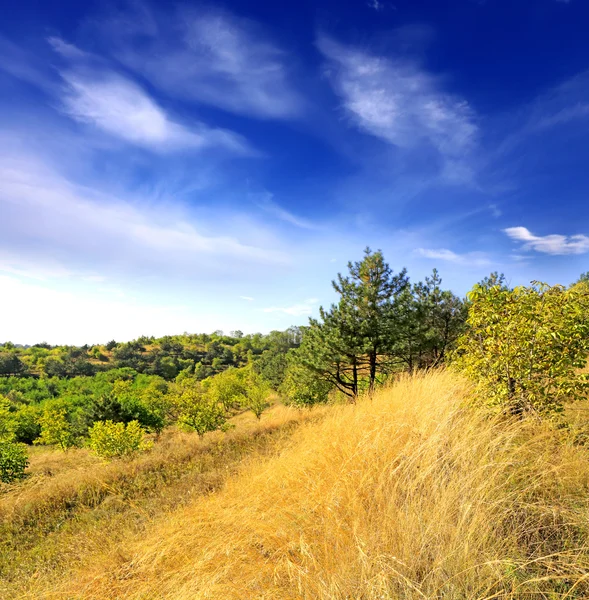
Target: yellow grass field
{"type": "Point", "coordinates": [410, 494]}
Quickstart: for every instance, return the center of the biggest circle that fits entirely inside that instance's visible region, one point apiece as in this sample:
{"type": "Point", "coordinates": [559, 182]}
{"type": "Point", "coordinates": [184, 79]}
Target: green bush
{"type": "Point", "coordinates": [196, 409]}
{"type": "Point", "coordinates": [116, 440]}
{"type": "Point", "coordinates": [13, 461]}
{"type": "Point", "coordinates": [27, 428]}
{"type": "Point", "coordinates": [56, 430]}
{"type": "Point", "coordinates": [7, 422]}
{"type": "Point", "coordinates": [525, 347]}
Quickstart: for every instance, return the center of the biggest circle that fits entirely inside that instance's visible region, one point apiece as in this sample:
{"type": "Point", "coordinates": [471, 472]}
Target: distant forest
{"type": "Point", "coordinates": [381, 325]}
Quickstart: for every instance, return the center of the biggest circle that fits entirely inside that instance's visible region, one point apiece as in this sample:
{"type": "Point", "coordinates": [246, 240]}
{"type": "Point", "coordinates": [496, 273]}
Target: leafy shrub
{"type": "Point", "coordinates": [26, 421]}
{"type": "Point", "coordinates": [257, 393]}
{"type": "Point", "coordinates": [301, 386]}
{"type": "Point", "coordinates": [13, 461]}
{"type": "Point", "coordinates": [524, 347]}
{"type": "Point", "coordinates": [7, 421]}
{"type": "Point", "coordinates": [116, 440]}
{"type": "Point", "coordinates": [197, 409]}
{"type": "Point", "coordinates": [227, 388]}
{"type": "Point", "coordinates": [56, 430]}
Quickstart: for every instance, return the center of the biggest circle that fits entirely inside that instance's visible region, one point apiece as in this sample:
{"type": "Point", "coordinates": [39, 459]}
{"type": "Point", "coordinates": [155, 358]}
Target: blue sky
{"type": "Point", "coordinates": [170, 167]}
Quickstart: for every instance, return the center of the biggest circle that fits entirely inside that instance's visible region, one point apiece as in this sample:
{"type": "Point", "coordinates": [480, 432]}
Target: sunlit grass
{"type": "Point", "coordinates": [406, 495]}
{"type": "Point", "coordinates": [74, 506]}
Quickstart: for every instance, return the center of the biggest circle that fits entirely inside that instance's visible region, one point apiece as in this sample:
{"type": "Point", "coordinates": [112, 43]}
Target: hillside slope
{"type": "Point", "coordinates": [406, 495]}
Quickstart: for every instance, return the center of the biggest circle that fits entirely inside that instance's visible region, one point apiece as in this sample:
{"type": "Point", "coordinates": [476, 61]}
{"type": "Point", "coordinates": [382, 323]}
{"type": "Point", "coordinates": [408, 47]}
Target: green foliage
{"type": "Point", "coordinates": [427, 321]}
{"type": "Point", "coordinates": [13, 461]}
{"type": "Point", "coordinates": [11, 364]}
{"type": "Point", "coordinates": [524, 346]}
{"type": "Point", "coordinates": [110, 440]}
{"type": "Point", "coordinates": [352, 341]}
{"type": "Point", "coordinates": [196, 409]}
{"type": "Point", "coordinates": [56, 429]}
{"type": "Point", "coordinates": [7, 420]}
{"type": "Point", "coordinates": [26, 424]}
{"type": "Point", "coordinates": [257, 393]}
{"type": "Point", "coordinates": [227, 388]}
{"type": "Point", "coordinates": [302, 387]}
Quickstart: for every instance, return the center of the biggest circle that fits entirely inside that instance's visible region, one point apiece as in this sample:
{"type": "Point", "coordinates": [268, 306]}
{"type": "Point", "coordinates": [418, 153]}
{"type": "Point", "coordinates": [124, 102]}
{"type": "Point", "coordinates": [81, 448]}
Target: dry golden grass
{"type": "Point", "coordinates": [74, 506]}
{"type": "Point", "coordinates": [408, 495]}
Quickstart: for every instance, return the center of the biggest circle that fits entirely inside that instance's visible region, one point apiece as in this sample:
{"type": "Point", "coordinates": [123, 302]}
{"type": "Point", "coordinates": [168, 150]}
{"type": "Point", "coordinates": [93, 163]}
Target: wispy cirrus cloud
{"type": "Point", "coordinates": [399, 102]}
{"type": "Point", "coordinates": [121, 108]}
{"type": "Point", "coordinates": [478, 259]}
{"type": "Point", "coordinates": [555, 244]}
{"type": "Point", "coordinates": [210, 56]}
{"type": "Point", "coordinates": [79, 228]}
{"type": "Point", "coordinates": [266, 202]}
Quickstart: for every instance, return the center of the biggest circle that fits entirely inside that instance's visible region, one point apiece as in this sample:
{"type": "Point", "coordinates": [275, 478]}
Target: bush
{"type": "Point", "coordinates": [116, 440]}
{"type": "Point", "coordinates": [13, 461]}
{"type": "Point", "coordinates": [56, 430]}
{"type": "Point", "coordinates": [524, 347]}
{"type": "Point", "coordinates": [196, 409]}
{"type": "Point", "coordinates": [7, 422]}
{"type": "Point", "coordinates": [302, 387]}
{"type": "Point", "coordinates": [27, 428]}
{"type": "Point", "coordinates": [257, 394]}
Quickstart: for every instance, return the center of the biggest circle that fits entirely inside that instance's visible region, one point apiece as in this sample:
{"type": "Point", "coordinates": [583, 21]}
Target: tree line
{"type": "Point", "coordinates": [524, 347]}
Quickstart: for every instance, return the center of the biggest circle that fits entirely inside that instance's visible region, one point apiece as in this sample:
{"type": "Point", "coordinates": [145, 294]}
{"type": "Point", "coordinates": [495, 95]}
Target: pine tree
{"type": "Point", "coordinates": [354, 339]}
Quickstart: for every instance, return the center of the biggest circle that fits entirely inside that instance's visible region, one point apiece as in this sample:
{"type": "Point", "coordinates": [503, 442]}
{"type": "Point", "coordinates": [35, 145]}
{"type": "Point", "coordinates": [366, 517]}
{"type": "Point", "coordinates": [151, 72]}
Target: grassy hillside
{"type": "Point", "coordinates": [406, 495]}
{"type": "Point", "coordinates": [74, 507]}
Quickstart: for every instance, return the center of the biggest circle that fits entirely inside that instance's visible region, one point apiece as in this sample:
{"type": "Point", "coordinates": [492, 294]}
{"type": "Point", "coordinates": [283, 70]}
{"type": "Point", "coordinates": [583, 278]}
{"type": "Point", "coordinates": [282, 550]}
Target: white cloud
{"type": "Point", "coordinates": [247, 298]}
{"type": "Point", "coordinates": [297, 310]}
{"type": "Point", "coordinates": [68, 51]}
{"type": "Point", "coordinates": [210, 56]}
{"type": "Point", "coordinates": [79, 230]}
{"type": "Point", "coordinates": [375, 4]}
{"type": "Point", "coordinates": [399, 102]}
{"type": "Point", "coordinates": [121, 108]}
{"type": "Point", "coordinates": [549, 244]}
{"type": "Point", "coordinates": [477, 259]}
{"type": "Point", "coordinates": [267, 203]}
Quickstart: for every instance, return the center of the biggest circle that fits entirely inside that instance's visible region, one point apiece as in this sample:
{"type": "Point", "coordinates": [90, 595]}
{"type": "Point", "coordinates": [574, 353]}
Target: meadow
{"type": "Point", "coordinates": [407, 445]}
{"type": "Point", "coordinates": [410, 493]}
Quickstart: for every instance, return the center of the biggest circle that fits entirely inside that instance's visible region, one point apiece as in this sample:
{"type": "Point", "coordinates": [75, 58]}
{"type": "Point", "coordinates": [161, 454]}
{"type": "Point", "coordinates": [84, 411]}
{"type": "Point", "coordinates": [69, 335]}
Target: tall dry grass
{"type": "Point", "coordinates": [73, 507]}
{"type": "Point", "coordinates": [408, 495]}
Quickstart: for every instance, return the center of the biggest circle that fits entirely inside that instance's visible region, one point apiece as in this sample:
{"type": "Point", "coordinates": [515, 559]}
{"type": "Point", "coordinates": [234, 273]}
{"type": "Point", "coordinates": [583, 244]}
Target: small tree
{"type": "Point", "coordinates": [228, 388]}
{"type": "Point", "coordinates": [56, 430]}
{"type": "Point", "coordinates": [13, 461]}
{"type": "Point", "coordinates": [257, 396]}
{"type": "Point", "coordinates": [524, 346]}
{"type": "Point", "coordinates": [352, 345]}
{"type": "Point", "coordinates": [197, 410]}
{"type": "Point", "coordinates": [117, 440]}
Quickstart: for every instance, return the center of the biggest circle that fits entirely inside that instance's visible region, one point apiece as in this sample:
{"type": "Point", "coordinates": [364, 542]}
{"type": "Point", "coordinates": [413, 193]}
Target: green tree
{"type": "Point", "coordinates": [257, 392]}
{"type": "Point", "coordinates": [301, 386]}
{"type": "Point", "coordinates": [56, 430]}
{"type": "Point", "coordinates": [228, 388]}
{"type": "Point", "coordinates": [196, 410]}
{"type": "Point", "coordinates": [354, 340]}
{"type": "Point", "coordinates": [524, 347]}
{"type": "Point", "coordinates": [26, 419]}
{"type": "Point", "coordinates": [117, 440]}
{"type": "Point", "coordinates": [7, 420]}
{"type": "Point", "coordinates": [11, 364]}
{"type": "Point", "coordinates": [14, 460]}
